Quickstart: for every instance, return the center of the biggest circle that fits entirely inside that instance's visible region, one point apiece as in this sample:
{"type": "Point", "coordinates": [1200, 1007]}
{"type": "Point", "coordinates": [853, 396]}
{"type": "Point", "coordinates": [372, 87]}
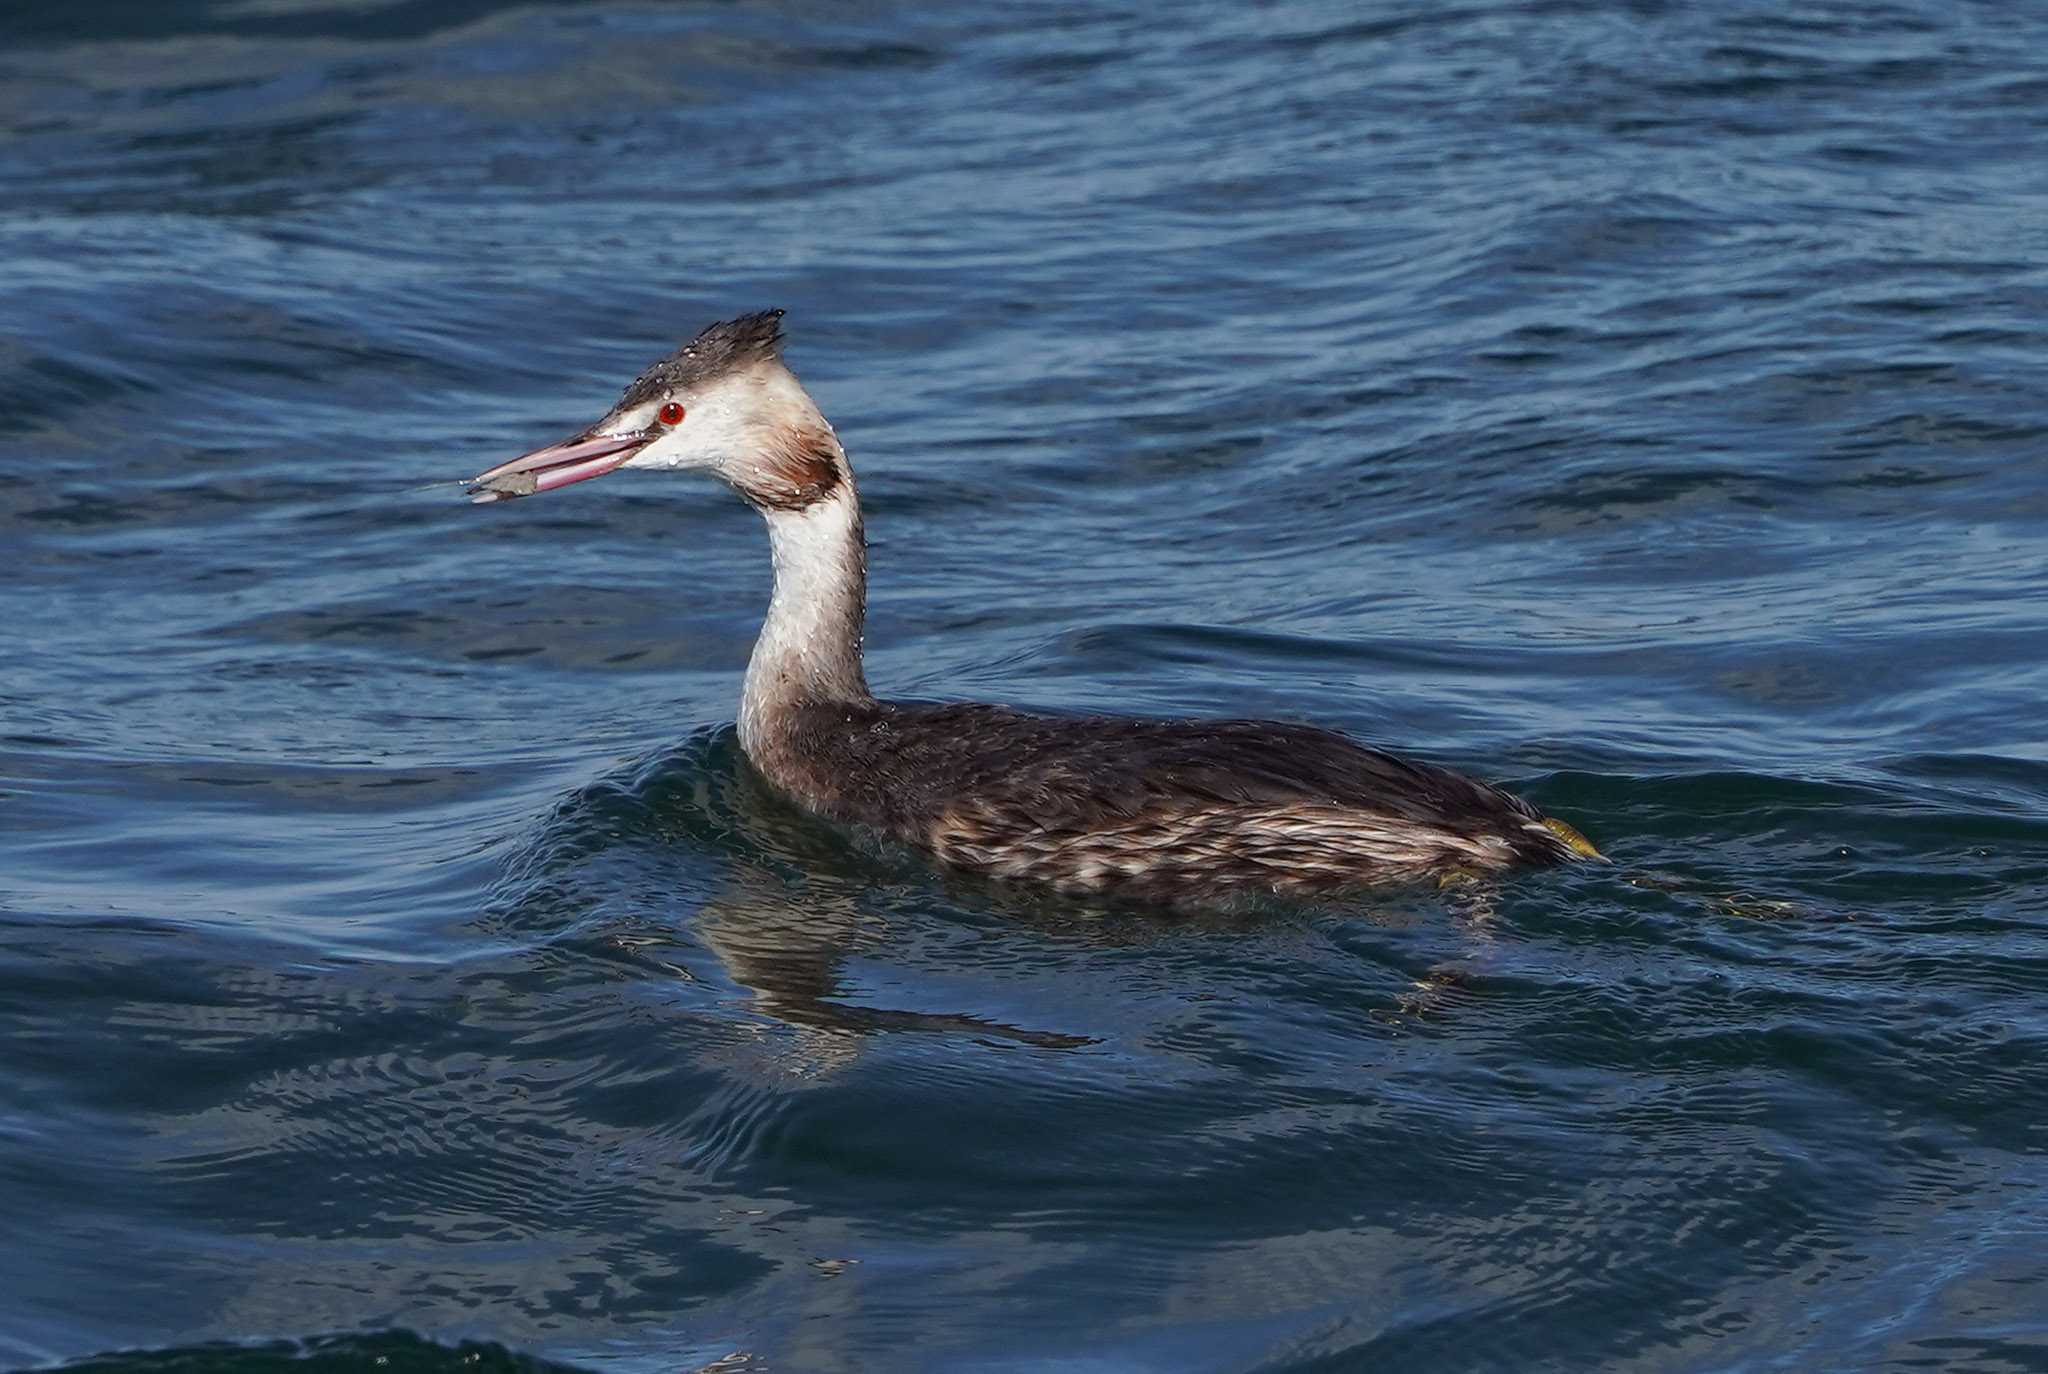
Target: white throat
{"type": "Point", "coordinates": [809, 649]}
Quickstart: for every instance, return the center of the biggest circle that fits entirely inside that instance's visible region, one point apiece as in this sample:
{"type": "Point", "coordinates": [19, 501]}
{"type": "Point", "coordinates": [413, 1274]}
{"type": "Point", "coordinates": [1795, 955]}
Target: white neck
{"type": "Point", "coordinates": [809, 650]}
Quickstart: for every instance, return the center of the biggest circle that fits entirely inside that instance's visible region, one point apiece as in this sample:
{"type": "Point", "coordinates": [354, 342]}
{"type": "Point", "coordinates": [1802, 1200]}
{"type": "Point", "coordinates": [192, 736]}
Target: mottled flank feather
{"type": "Point", "coordinates": [720, 348]}
{"type": "Point", "coordinates": [1169, 811]}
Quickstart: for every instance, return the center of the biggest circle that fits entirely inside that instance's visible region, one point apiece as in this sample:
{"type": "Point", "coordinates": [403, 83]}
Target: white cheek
{"type": "Point", "coordinates": [670, 450]}
{"type": "Point", "coordinates": [700, 441]}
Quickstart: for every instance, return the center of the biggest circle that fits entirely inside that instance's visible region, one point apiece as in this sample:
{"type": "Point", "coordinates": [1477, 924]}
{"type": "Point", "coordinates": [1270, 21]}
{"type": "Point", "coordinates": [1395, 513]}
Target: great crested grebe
{"type": "Point", "coordinates": [1171, 811]}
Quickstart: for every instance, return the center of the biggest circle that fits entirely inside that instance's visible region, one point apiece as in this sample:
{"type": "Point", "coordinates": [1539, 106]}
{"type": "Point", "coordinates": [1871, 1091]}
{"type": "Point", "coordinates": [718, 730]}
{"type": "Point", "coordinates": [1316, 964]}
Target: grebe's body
{"type": "Point", "coordinates": [1159, 810]}
{"type": "Point", "coordinates": [1172, 811]}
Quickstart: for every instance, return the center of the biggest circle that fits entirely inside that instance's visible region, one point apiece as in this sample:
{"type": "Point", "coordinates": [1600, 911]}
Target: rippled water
{"type": "Point", "coordinates": [1641, 404]}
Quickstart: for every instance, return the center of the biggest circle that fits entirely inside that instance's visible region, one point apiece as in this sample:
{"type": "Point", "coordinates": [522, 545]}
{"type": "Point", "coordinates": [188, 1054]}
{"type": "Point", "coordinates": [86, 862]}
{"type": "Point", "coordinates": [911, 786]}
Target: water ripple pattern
{"type": "Point", "coordinates": [1640, 404]}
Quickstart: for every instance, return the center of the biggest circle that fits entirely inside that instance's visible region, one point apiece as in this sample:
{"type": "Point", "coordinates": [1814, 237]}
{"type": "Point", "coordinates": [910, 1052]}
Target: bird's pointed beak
{"type": "Point", "coordinates": [588, 454]}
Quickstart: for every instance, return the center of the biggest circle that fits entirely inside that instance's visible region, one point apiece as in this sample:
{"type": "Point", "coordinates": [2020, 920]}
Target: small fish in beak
{"type": "Point", "coordinates": [586, 455]}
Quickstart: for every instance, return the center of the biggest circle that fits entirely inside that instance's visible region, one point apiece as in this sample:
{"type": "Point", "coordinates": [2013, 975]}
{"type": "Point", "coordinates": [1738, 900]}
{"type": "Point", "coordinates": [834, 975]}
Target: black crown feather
{"type": "Point", "coordinates": [719, 348]}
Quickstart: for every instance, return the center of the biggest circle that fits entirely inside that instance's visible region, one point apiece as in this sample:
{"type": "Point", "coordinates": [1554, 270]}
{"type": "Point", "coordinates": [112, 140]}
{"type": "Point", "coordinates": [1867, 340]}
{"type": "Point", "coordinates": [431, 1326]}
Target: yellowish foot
{"type": "Point", "coordinates": [1573, 840]}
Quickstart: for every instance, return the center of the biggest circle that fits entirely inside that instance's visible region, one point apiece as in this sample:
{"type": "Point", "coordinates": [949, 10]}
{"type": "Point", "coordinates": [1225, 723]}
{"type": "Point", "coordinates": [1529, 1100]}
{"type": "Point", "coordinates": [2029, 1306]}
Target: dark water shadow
{"type": "Point", "coordinates": [399, 1352]}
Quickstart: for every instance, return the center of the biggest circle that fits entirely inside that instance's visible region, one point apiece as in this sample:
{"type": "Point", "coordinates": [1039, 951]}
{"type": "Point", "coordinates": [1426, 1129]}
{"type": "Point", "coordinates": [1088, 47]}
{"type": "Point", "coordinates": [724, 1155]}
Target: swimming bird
{"type": "Point", "coordinates": [1169, 812]}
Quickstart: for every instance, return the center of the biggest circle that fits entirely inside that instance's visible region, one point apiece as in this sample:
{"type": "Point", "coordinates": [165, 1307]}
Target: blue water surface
{"type": "Point", "coordinates": [1641, 404]}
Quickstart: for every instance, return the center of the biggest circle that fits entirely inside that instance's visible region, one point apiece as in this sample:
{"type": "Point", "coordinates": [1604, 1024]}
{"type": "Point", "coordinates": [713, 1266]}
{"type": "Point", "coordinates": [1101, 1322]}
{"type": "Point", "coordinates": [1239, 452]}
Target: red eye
{"type": "Point", "coordinates": [672, 414]}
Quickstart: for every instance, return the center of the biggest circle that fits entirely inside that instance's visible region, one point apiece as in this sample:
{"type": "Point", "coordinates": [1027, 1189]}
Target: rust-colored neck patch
{"type": "Point", "coordinates": [801, 469]}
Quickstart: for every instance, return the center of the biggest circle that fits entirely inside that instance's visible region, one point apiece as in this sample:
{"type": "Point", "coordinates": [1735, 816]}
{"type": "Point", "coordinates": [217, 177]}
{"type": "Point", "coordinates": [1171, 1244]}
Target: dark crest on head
{"type": "Point", "coordinates": [720, 348]}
